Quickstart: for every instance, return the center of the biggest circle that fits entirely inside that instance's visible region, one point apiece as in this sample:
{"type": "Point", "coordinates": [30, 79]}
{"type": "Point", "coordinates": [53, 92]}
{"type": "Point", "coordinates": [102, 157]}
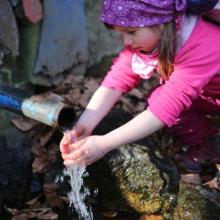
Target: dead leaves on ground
{"type": "Point", "coordinates": [37, 213]}
{"type": "Point", "coordinates": [212, 181]}
{"type": "Point", "coordinates": [39, 210]}
{"type": "Point", "coordinates": [77, 91]}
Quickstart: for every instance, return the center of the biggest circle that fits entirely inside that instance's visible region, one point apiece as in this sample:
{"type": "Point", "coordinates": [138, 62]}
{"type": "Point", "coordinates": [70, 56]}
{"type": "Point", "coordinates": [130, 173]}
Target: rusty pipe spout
{"type": "Point", "coordinates": [49, 112]}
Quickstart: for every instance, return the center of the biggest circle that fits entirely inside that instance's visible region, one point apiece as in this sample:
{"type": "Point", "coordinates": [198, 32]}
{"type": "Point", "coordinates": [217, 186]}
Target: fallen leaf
{"type": "Point", "coordinates": [40, 166]}
{"type": "Point", "coordinates": [65, 199]}
{"type": "Point", "coordinates": [151, 217]}
{"type": "Point", "coordinates": [137, 93]}
{"type": "Point", "coordinates": [24, 124]}
{"type": "Point", "coordinates": [41, 211]}
{"type": "Point", "coordinates": [48, 216]}
{"type": "Point", "coordinates": [53, 200]}
{"type": "Point", "coordinates": [20, 217]}
{"type": "Point", "coordinates": [191, 178]}
{"type": "Point", "coordinates": [33, 201]}
{"type": "Point", "coordinates": [50, 187]}
{"type": "Point", "coordinates": [46, 135]}
{"type": "Point", "coordinates": [13, 211]}
{"type": "Point", "coordinates": [213, 184]}
{"type": "Point", "coordinates": [47, 96]}
{"type": "Point", "coordinates": [109, 214]}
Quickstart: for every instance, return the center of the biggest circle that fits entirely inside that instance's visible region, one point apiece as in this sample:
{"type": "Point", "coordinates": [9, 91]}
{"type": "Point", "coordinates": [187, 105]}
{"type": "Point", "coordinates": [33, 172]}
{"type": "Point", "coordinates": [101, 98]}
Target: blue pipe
{"type": "Point", "coordinates": [11, 98]}
{"type": "Point", "coordinates": [49, 112]}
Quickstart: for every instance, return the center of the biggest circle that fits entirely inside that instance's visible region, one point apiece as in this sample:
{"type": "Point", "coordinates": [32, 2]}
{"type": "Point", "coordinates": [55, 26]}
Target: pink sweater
{"type": "Point", "coordinates": [196, 73]}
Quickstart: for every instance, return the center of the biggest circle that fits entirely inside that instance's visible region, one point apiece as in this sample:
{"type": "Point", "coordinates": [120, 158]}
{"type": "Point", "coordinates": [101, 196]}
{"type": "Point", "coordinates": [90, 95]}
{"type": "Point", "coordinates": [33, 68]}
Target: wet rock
{"type": "Point", "coordinates": [102, 42]}
{"type": "Point", "coordinates": [192, 204]}
{"type": "Point", "coordinates": [15, 168]}
{"type": "Point", "coordinates": [136, 177]}
{"type": "Point", "coordinates": [64, 39]}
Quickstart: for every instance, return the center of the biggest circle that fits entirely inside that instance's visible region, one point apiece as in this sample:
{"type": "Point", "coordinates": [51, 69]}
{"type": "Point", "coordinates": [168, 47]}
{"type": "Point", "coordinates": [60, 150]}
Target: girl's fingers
{"type": "Point", "coordinates": [73, 162]}
{"type": "Point", "coordinates": [74, 155]}
{"type": "Point", "coordinates": [68, 138]}
{"type": "Point", "coordinates": [64, 148]}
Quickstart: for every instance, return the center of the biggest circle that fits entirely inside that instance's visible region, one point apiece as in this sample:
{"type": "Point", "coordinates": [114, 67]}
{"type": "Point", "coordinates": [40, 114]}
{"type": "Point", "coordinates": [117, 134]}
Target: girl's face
{"type": "Point", "coordinates": [144, 39]}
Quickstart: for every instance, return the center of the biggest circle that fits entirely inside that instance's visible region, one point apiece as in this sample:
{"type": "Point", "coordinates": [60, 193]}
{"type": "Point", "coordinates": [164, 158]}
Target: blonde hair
{"type": "Point", "coordinates": [167, 49]}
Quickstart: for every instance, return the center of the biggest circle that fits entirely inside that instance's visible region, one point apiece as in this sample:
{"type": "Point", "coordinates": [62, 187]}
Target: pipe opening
{"type": "Point", "coordinates": [66, 118]}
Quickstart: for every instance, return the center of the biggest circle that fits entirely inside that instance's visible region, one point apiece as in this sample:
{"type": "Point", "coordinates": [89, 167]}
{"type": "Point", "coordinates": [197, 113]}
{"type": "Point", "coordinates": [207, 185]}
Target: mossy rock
{"type": "Point", "coordinates": [193, 205]}
{"type": "Point", "coordinates": [135, 177]}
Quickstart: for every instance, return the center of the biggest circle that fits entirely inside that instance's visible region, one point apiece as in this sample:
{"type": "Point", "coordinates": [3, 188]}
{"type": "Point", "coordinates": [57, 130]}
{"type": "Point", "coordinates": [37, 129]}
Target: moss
{"type": "Point", "coordinates": [29, 41]}
{"type": "Point", "coordinates": [193, 205]}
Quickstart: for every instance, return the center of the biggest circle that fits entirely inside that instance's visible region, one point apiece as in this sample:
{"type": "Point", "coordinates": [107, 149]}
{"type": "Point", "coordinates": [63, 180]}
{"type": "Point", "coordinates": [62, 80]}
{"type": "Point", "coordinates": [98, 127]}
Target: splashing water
{"type": "Point", "coordinates": [78, 191]}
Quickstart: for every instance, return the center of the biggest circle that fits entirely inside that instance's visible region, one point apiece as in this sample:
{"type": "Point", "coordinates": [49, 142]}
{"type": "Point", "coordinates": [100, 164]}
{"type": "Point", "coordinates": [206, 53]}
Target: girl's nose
{"type": "Point", "coordinates": [127, 40]}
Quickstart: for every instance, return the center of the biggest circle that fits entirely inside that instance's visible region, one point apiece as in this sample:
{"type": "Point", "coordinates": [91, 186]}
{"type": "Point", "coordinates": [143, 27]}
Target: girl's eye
{"type": "Point", "coordinates": [131, 32]}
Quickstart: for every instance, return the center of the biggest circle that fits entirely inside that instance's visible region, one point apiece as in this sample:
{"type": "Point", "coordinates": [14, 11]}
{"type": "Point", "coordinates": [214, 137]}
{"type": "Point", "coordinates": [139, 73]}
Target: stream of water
{"type": "Point", "coordinates": [78, 191]}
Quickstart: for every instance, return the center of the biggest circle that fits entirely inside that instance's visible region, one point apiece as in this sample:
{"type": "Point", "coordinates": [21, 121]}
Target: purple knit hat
{"type": "Point", "coordinates": [141, 13]}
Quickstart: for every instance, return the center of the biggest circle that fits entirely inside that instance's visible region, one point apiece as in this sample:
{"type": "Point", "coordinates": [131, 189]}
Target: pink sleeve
{"type": "Point", "coordinates": [121, 76]}
{"type": "Point", "coordinates": [195, 65]}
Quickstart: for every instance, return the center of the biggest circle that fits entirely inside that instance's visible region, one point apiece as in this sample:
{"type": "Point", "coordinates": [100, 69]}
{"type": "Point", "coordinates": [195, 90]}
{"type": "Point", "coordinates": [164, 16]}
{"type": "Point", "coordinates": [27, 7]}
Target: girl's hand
{"type": "Point", "coordinates": [86, 151]}
{"type": "Point", "coordinates": [79, 132]}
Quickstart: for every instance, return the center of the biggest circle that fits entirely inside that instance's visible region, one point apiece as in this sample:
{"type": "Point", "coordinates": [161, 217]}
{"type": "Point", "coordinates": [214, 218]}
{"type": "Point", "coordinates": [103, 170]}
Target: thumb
{"type": "Point", "coordinates": [65, 142]}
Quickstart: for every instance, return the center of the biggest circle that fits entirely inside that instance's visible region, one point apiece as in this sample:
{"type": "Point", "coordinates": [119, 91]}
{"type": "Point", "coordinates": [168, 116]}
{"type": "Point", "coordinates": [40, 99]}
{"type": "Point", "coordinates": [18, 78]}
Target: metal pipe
{"type": "Point", "coordinates": [49, 112]}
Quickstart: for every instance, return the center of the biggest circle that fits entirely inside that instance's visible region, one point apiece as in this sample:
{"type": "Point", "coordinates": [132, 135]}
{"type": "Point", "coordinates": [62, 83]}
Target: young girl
{"type": "Point", "coordinates": [184, 50]}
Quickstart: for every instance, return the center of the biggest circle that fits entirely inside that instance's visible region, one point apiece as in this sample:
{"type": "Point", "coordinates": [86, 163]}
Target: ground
{"type": "Point", "coordinates": [76, 91]}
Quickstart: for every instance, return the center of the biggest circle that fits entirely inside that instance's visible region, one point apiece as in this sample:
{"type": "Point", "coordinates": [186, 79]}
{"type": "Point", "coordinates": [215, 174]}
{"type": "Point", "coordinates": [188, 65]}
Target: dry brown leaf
{"type": "Point", "coordinates": [213, 184]}
{"type": "Point", "coordinates": [52, 152]}
{"type": "Point", "coordinates": [24, 124]}
{"type": "Point", "coordinates": [12, 211]}
{"type": "Point", "coordinates": [110, 214]}
{"type": "Point", "coordinates": [137, 93]}
{"type": "Point", "coordinates": [72, 79]}
{"type": "Point", "coordinates": [126, 104]}
{"type": "Point", "coordinates": [53, 200]}
{"type": "Point", "coordinates": [191, 178]}
{"type": "Point", "coordinates": [47, 96]}
{"type": "Point", "coordinates": [51, 195]}
{"type": "Point", "coordinates": [84, 99]}
{"type": "Point", "coordinates": [50, 187]}
{"type": "Point", "coordinates": [139, 107]}
{"type": "Point", "coordinates": [48, 216]}
{"type": "Point", "coordinates": [20, 217]}
{"type": "Point", "coordinates": [40, 166]}
{"type": "Point", "coordinates": [46, 136]}
{"type": "Point", "coordinates": [33, 201]}
{"type": "Point", "coordinates": [41, 211]}
{"type": "Point", "coordinates": [37, 150]}
{"type": "Point", "coordinates": [31, 215]}
{"type": "Point", "coordinates": [65, 199]}
{"type": "Point", "coordinates": [91, 85]}
{"type": "Point", "coordinates": [151, 217]}
{"type": "Point", "coordinates": [73, 96]}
